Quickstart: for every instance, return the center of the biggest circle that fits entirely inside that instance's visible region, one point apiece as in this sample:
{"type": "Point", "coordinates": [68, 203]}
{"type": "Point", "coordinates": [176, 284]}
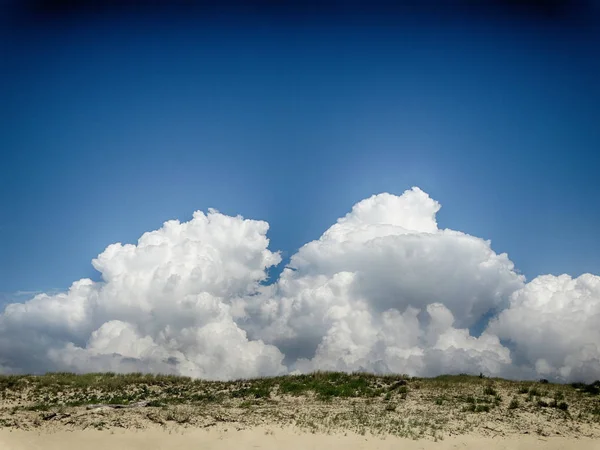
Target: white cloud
{"type": "Point", "coordinates": [163, 305]}
{"type": "Point", "coordinates": [554, 325]}
{"type": "Point", "coordinates": [384, 289]}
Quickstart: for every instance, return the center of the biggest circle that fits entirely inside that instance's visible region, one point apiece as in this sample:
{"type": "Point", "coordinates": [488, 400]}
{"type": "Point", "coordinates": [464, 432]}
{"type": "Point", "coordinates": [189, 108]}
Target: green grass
{"type": "Point", "coordinates": [489, 390]}
{"type": "Point", "coordinates": [68, 389]}
{"type": "Point", "coordinates": [327, 385]}
{"type": "Point", "coordinates": [364, 396]}
{"type": "Point", "coordinates": [563, 406]}
{"type": "Point", "coordinates": [533, 391]}
{"type": "Point", "coordinates": [440, 400]}
{"type": "Point", "coordinates": [592, 388]}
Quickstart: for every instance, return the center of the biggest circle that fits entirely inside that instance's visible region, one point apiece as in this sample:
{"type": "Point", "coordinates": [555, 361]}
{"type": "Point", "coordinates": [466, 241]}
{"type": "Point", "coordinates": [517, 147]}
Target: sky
{"type": "Point", "coordinates": [117, 121]}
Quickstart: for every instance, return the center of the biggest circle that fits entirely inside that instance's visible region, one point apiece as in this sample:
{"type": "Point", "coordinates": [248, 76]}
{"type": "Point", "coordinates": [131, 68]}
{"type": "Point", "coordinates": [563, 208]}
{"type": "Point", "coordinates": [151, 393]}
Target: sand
{"type": "Point", "coordinates": [267, 438]}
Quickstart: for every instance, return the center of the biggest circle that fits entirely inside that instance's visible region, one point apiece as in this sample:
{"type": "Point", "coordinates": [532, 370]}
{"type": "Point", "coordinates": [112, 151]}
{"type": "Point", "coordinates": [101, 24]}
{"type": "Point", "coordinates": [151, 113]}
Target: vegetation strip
{"type": "Point", "coordinates": [322, 401]}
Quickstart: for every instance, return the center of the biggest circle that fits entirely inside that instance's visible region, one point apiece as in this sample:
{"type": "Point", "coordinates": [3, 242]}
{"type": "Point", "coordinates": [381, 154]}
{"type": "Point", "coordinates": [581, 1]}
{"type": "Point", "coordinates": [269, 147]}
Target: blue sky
{"type": "Point", "coordinates": [113, 126]}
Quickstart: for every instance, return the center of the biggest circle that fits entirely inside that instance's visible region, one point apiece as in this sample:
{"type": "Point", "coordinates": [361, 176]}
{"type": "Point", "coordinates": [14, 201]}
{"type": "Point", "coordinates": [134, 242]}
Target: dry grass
{"type": "Point", "coordinates": [319, 402]}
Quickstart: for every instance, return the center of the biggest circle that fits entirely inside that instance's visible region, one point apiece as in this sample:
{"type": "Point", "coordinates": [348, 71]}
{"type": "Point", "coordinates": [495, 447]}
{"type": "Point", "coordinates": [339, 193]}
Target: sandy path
{"type": "Point", "coordinates": [265, 438]}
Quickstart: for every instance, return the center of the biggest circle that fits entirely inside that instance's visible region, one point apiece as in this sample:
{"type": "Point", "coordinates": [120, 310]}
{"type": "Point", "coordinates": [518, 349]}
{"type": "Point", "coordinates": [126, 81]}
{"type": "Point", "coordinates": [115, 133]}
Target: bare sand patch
{"type": "Point", "coordinates": [267, 438]}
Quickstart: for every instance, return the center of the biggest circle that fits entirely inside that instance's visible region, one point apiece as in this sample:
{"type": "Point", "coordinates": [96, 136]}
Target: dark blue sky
{"type": "Point", "coordinates": [115, 123]}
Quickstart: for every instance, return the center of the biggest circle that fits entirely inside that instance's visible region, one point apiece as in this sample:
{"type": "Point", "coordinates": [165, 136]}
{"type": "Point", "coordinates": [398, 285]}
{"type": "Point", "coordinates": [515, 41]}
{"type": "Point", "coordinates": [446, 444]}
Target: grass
{"type": "Point", "coordinates": [327, 385]}
{"type": "Point", "coordinates": [320, 401]}
{"type": "Point", "coordinates": [592, 388]}
{"type": "Point", "coordinates": [534, 391]}
{"type": "Point", "coordinates": [489, 390]}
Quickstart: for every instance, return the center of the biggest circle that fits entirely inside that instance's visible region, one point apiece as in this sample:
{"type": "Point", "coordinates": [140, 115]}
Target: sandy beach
{"type": "Point", "coordinates": [268, 438]}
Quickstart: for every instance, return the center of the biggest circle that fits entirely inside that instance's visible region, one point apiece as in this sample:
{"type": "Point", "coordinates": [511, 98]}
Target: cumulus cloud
{"type": "Point", "coordinates": [383, 289]}
{"type": "Point", "coordinates": [164, 305]}
{"type": "Point", "coordinates": [553, 324]}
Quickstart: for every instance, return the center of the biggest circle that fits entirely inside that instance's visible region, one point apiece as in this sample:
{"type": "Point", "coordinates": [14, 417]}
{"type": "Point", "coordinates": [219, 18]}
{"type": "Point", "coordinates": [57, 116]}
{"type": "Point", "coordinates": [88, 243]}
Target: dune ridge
{"type": "Point", "coordinates": [298, 411]}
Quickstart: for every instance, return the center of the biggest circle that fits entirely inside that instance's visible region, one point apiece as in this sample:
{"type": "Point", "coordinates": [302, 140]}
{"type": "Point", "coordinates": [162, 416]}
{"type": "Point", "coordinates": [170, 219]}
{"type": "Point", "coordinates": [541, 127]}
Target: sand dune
{"type": "Point", "coordinates": [320, 410]}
